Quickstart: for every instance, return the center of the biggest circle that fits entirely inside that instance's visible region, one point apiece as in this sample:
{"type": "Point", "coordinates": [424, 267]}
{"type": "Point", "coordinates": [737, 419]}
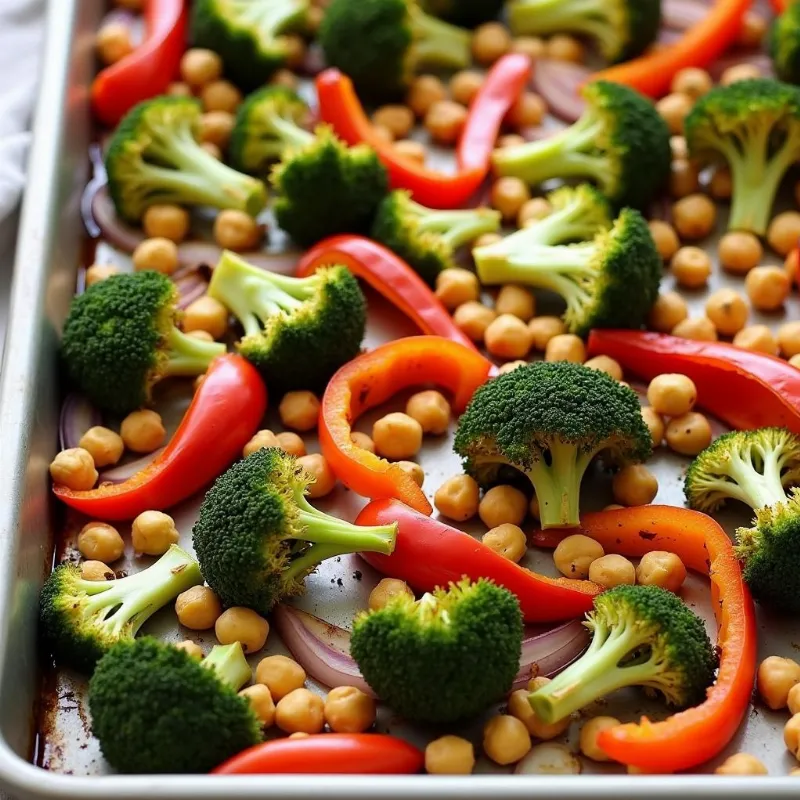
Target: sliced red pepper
{"type": "Point", "coordinates": [373, 378]}
{"type": "Point", "coordinates": [689, 737]}
{"type": "Point", "coordinates": [340, 107]}
{"type": "Point", "coordinates": [388, 274]}
{"type": "Point", "coordinates": [429, 553]}
{"type": "Point", "coordinates": [148, 70]}
{"type": "Point", "coordinates": [780, 5]}
{"type": "Point", "coordinates": [743, 388]}
{"type": "Point", "coordinates": [225, 412]}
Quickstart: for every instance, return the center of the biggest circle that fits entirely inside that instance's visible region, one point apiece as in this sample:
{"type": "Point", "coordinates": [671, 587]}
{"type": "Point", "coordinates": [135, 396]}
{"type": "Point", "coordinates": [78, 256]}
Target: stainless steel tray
{"type": "Point", "coordinates": [49, 251]}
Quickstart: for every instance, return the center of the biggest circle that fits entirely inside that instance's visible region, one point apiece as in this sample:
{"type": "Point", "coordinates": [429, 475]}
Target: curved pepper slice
{"type": "Point", "coordinates": [388, 274]}
{"type": "Point", "coordinates": [429, 553]}
{"type": "Point", "coordinates": [225, 412]}
{"type": "Point", "coordinates": [689, 737]}
{"type": "Point", "coordinates": [373, 378]}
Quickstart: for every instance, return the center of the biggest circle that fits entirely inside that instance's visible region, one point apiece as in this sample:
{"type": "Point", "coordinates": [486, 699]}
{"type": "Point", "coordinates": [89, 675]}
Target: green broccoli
{"type": "Point", "coordinates": [154, 158]}
{"type": "Point", "coordinates": [445, 657]}
{"type": "Point", "coordinates": [268, 123]}
{"type": "Point", "coordinates": [610, 282]}
{"type": "Point", "coordinates": [297, 331]}
{"type": "Point", "coordinates": [621, 143]}
{"type": "Point", "coordinates": [80, 620]}
{"type": "Point", "coordinates": [753, 467]}
{"type": "Point", "coordinates": [784, 45]}
{"type": "Point", "coordinates": [248, 35]}
{"type": "Point", "coordinates": [548, 420]}
{"type": "Point", "coordinates": [427, 239]}
{"type": "Point", "coordinates": [380, 44]}
{"type": "Point", "coordinates": [622, 29]}
{"type": "Point", "coordinates": [156, 709]}
{"type": "Point", "coordinates": [466, 13]}
{"type": "Point", "coordinates": [752, 126]}
{"type": "Point", "coordinates": [120, 339]}
{"type": "Point", "coordinates": [326, 187]}
{"type": "Point", "coordinates": [641, 636]}
{"type": "Point", "coordinates": [257, 537]}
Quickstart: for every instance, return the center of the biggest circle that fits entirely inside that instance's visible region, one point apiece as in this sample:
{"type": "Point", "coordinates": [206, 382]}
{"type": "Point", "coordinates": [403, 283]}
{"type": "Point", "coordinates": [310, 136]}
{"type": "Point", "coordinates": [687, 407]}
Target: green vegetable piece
{"type": "Point", "coordinates": [784, 45]}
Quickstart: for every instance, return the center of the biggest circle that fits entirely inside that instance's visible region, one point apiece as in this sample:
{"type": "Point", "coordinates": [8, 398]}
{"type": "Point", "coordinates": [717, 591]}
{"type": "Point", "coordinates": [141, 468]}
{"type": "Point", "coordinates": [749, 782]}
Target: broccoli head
{"type": "Point", "coordinates": [427, 239]}
{"type": "Point", "coordinates": [548, 420]}
{"type": "Point", "coordinates": [466, 13]}
{"type": "Point", "coordinates": [297, 331]}
{"type": "Point", "coordinates": [248, 35]}
{"type": "Point", "coordinates": [750, 466]}
{"type": "Point", "coordinates": [326, 187]}
{"type": "Point", "coordinates": [622, 29]}
{"type": "Point", "coordinates": [381, 43]}
{"type": "Point", "coordinates": [784, 45]}
{"type": "Point", "coordinates": [445, 657]}
{"type": "Point", "coordinates": [154, 157]}
{"type": "Point", "coordinates": [81, 620]}
{"type": "Point", "coordinates": [156, 709]}
{"type": "Point", "coordinates": [610, 282]}
{"type": "Point", "coordinates": [257, 537]}
{"type": "Point", "coordinates": [120, 339]}
{"type": "Point", "coordinates": [621, 144]}
{"type": "Point", "coordinates": [641, 636]}
{"type": "Point", "coordinates": [753, 127]}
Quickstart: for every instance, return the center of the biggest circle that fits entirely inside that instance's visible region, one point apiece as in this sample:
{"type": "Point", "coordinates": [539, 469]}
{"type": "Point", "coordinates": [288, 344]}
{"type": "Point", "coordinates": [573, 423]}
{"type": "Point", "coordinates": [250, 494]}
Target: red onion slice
{"type": "Point", "coordinates": [559, 82]}
{"type": "Point", "coordinates": [123, 472]}
{"type": "Point", "coordinates": [547, 653]}
{"type": "Point", "coordinates": [77, 416]}
{"type": "Point", "coordinates": [680, 15]}
{"type": "Point", "coordinates": [104, 216]}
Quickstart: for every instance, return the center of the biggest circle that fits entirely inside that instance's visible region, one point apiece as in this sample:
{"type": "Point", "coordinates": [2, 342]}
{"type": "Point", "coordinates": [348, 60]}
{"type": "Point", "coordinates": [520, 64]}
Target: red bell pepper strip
{"type": "Point", "coordinates": [743, 388]}
{"type": "Point", "coordinates": [328, 754]}
{"type": "Point", "coordinates": [780, 5]}
{"type": "Point", "coordinates": [224, 414]}
{"type": "Point", "coordinates": [148, 70]}
{"type": "Point", "coordinates": [700, 46]}
{"type": "Point", "coordinates": [429, 553]}
{"type": "Point", "coordinates": [689, 737]}
{"type": "Point", "coordinates": [373, 378]}
{"type": "Point", "coordinates": [340, 107]}
{"type": "Point", "coordinates": [388, 274]}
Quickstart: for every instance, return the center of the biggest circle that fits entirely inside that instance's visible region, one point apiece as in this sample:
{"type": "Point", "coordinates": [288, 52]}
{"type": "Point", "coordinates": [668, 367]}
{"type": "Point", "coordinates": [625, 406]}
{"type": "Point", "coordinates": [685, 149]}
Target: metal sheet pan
{"type": "Point", "coordinates": [49, 252]}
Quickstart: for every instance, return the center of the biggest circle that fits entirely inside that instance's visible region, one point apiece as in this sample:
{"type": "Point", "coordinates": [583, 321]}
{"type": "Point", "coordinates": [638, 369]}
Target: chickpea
{"type": "Point", "coordinates": [198, 608]}
{"type": "Point", "coordinates": [99, 541]}
{"type": "Point", "coordinates": [431, 410]}
{"type": "Point", "coordinates": [679, 148]}
{"type": "Point", "coordinates": [689, 433]}
{"type": "Point", "coordinates": [457, 498]}
{"type": "Point", "coordinates": [754, 28]}
{"type": "Point", "coordinates": [152, 533]}
{"type": "Point", "coordinates": [700, 328]}
{"type": "Point", "coordinates": [456, 286]}
{"type": "Point", "coordinates": [235, 230]}
{"type": "Point", "coordinates": [565, 347]}
{"type": "Point", "coordinates": [299, 410]}
{"type": "Point", "coordinates": [739, 72]}
{"type": "Point", "coordinates": [397, 436]}
{"type": "Point", "coordinates": [669, 310]}
{"type": "Point", "coordinates": [775, 678]}
{"type": "Point", "coordinates": [158, 254]}
{"type": "Point", "coordinates": [262, 439]}
{"type": "Point", "coordinates": [74, 468]}
{"type": "Point", "coordinates": [280, 674]}
{"type": "Point", "coordinates": [684, 178]}
{"type": "Point", "coordinates": [486, 239]}
{"type": "Point", "coordinates": [739, 252]}
{"type": "Point", "coordinates": [672, 394]}
{"type": "Point", "coordinates": [607, 365]}
{"type": "Point", "coordinates": [103, 445]}
{"type": "Point", "coordinates": [795, 361]}
{"type": "Point", "coordinates": [531, 46]}
{"type": "Point", "coordinates": [532, 211]}
{"type": "Point", "coordinates": [291, 443]}
{"type": "Point", "coordinates": [508, 196]}
{"type": "Point", "coordinates": [414, 151]}
{"type": "Point", "coordinates": [592, 728]}
{"type": "Point", "coordinates": [383, 133]}
{"type": "Point", "coordinates": [793, 700]}
{"type": "Point", "coordinates": [517, 301]}
{"type": "Point", "coordinates": [694, 216]}
{"type": "Point", "coordinates": [674, 109]}
{"type": "Point", "coordinates": [728, 310]}
{"type": "Point", "coordinates": [179, 89]}
{"type": "Point", "coordinates": [317, 466]}
{"type": "Point", "coordinates": [398, 119]}
{"type": "Point", "coordinates": [238, 624]}
{"type": "Point", "coordinates": [99, 272]}
{"type": "Point", "coordinates": [758, 338]}
{"type": "Point", "coordinates": [510, 366]}
{"type": "Point", "coordinates": [508, 337]}
{"type": "Point", "coordinates": [692, 82]}
{"type": "Point", "coordinates": [691, 267]}
{"type": "Point", "coordinates": [212, 149]}
{"type": "Point", "coordinates": [519, 707]}
{"type": "Point", "coordinates": [791, 735]}
{"type": "Point", "coordinates": [261, 702]}
{"type": "Point", "coordinates": [300, 711]}
{"type": "Point", "coordinates": [721, 185]}
{"type": "Point", "coordinates": [206, 314]}
{"type": "Point", "coordinates": [413, 470]}
{"type": "Point", "coordinates": [349, 710]}
{"type": "Point", "coordinates": [767, 287]}
{"type": "Point", "coordinates": [284, 77]}
{"type": "Point", "coordinates": [501, 505]}
{"type": "Point", "coordinates": [167, 222]}
{"type": "Point", "coordinates": [220, 95]}
{"type": "Point", "coordinates": [507, 540]}
{"type": "Point", "coordinates": [200, 67]}
{"type": "Point", "coordinates": [363, 441]}
{"type": "Point", "coordinates": [192, 649]}
{"type": "Point", "coordinates": [789, 339]}
{"type": "Point", "coordinates": [655, 425]}
{"type": "Point", "coordinates": [216, 128]}
{"type": "Point", "coordinates": [667, 242]}
{"type": "Point", "coordinates": [425, 90]}
{"type": "Point", "coordinates": [543, 329]}
{"type": "Point", "coordinates": [113, 43]}
{"type": "Point", "coordinates": [660, 568]}
{"type": "Point", "coordinates": [490, 42]}
{"type": "Point", "coordinates": [574, 555]}
{"type": "Point", "coordinates": [506, 739]}
{"type": "Point", "coordinates": [565, 48]}
{"type": "Point", "coordinates": [612, 570]}
{"type": "Point", "coordinates": [449, 755]}
{"type": "Point", "coordinates": [634, 485]}
{"type": "Point", "coordinates": [741, 764]}
{"type": "Point", "coordinates": [465, 85]}
{"type": "Point", "coordinates": [386, 591]}
{"type": "Point", "coordinates": [142, 431]}
{"type": "Point", "coordinates": [473, 318]}
{"type": "Point", "coordinates": [96, 571]}
{"type": "Point", "coordinates": [444, 121]}
{"type": "Point", "coordinates": [528, 111]}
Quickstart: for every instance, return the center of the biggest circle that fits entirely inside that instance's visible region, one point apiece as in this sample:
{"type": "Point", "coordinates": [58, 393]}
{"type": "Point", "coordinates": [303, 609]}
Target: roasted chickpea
{"type": "Point", "coordinates": [607, 365]}
{"type": "Point", "coordinates": [200, 67]}
{"type": "Point", "coordinates": [758, 338]}
{"type": "Point", "coordinates": [299, 410]}
{"type": "Point", "coordinates": [198, 608]}
{"type": "Point", "coordinates": [349, 710]}
{"type": "Point", "coordinates": [158, 254]}
{"type": "Point", "coordinates": [679, 148]}
{"type": "Point", "coordinates": [216, 128]}
{"type": "Point", "coordinates": [363, 441]}
{"type": "Point", "coordinates": [684, 178]}
{"type": "Point", "coordinates": [565, 48]}
{"type": "Point", "coordinates": [220, 95]}
{"type": "Point", "coordinates": [669, 310]}
{"type": "Point", "coordinates": [728, 310]}
{"type": "Point", "coordinates": [486, 239]}
{"type": "Point", "coordinates": [767, 287]}
{"type": "Point", "coordinates": [754, 28]}
{"type": "Point", "coordinates": [535, 209]}
{"type": "Point", "coordinates": [792, 699]}
{"type": "Point", "coordinates": [508, 196]}
{"type": "Point", "coordinates": [142, 431]}
{"type": "Point", "coordinates": [591, 729]}
{"type": "Point", "coordinates": [634, 485]}
{"type": "Point", "coordinates": [528, 111]}
{"type": "Point", "coordinates": [519, 707]}
{"type": "Point", "coordinates": [104, 445]}
{"type": "Point", "coordinates": [574, 555]}
{"type": "Point", "coordinates": [457, 498]}
{"type": "Point", "coordinates": [691, 267]}
{"type": "Point", "coordinates": [612, 570]}
{"type": "Point", "coordinates": [465, 85]}
{"type": "Point", "coordinates": [99, 541]}
{"type": "Point", "coordinates": [490, 41]}
{"type": "Point", "coordinates": [507, 540]}
{"type": "Point", "coordinates": [795, 361]}
{"type": "Point", "coordinates": [506, 739]}
{"type": "Point", "coordinates": [153, 532]}
{"type": "Point", "coordinates": [317, 466]}
{"type": "Point", "coordinates": [166, 221]}
{"type": "Point", "coordinates": [510, 366]}
{"type": "Point", "coordinates": [739, 72]}
{"type": "Point", "coordinates": [383, 133]}
{"type": "Point", "coordinates": [386, 591]}
{"type": "Point", "coordinates": [700, 328]}
{"type": "Point", "coordinates": [113, 43]}
{"type": "Point", "coordinates": [284, 77]}
{"type": "Point", "coordinates": [100, 272]}
{"type": "Point", "coordinates": [235, 230]}
{"type": "Point", "coordinates": [791, 736]}
{"type": "Point", "coordinates": [74, 468]}
{"type": "Point", "coordinates": [543, 329]}
{"type": "Point", "coordinates": [449, 755]}
{"type": "Point", "coordinates": [280, 674]}
{"type": "Point", "coordinates": [694, 216]}
{"type": "Point", "coordinates": [720, 186]}
{"type": "Point", "coordinates": [408, 148]}
{"type": "Point", "coordinates": [238, 624]}
{"type": "Point", "coordinates": [425, 90]}
{"type": "Point", "coordinates": [501, 505]}
{"type": "Point", "coordinates": [689, 433]}
{"type": "Point", "coordinates": [672, 394]}
{"type": "Point", "coordinates": [262, 439]}
{"type": "Point", "coordinates": [565, 347]}
{"type": "Point", "coordinates": [431, 410]}
{"type": "Point", "coordinates": [788, 340]}
{"type": "Point", "coordinates": [655, 424]}
{"type": "Point", "coordinates": [96, 571]}
{"type": "Point", "coordinates": [660, 568]}
{"type": "Point", "coordinates": [192, 649]}
{"type": "Point", "coordinates": [741, 764]}
{"type": "Point", "coordinates": [291, 443]}
{"type": "Point", "coordinates": [206, 314]}
{"type": "Point", "coordinates": [473, 318]}
{"type": "Point", "coordinates": [397, 118]}
{"type": "Point", "coordinates": [739, 252]}
{"type": "Point", "coordinates": [667, 242]}
{"type": "Point", "coordinates": [517, 301]}
{"type": "Point", "coordinates": [531, 46]}
{"type": "Point", "coordinates": [674, 109]}
{"type": "Point", "coordinates": [508, 337]}
{"type": "Point", "coordinates": [397, 436]}
{"type": "Point", "coordinates": [456, 286]}
{"type": "Point", "coordinates": [261, 702]}
{"type": "Point", "coordinates": [300, 711]}
{"type": "Point", "coordinates": [445, 120]}
{"type": "Point", "coordinates": [692, 82]}
{"type": "Point", "coordinates": [775, 678]}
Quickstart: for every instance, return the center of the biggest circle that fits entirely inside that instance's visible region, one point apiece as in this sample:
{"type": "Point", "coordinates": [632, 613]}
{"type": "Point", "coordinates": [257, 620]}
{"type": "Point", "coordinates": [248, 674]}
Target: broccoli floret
{"type": "Point", "coordinates": [466, 13]}
{"type": "Point", "coordinates": [611, 282]}
{"type": "Point", "coordinates": [154, 157]}
{"type": "Point", "coordinates": [156, 709]}
{"type": "Point", "coordinates": [621, 144]}
{"type": "Point", "coordinates": [268, 123]}
{"type": "Point", "coordinates": [326, 187]}
{"type": "Point", "coordinates": [248, 35]}
{"type": "Point", "coordinates": [297, 331]}
{"type": "Point", "coordinates": [80, 620]}
{"type": "Point", "coordinates": [257, 537]}
{"type": "Point", "coordinates": [427, 239]}
{"type": "Point", "coordinates": [622, 29]}
{"type": "Point", "coordinates": [753, 126]}
{"type": "Point", "coordinates": [750, 466]}
{"type": "Point", "coordinates": [784, 45]}
{"type": "Point", "coordinates": [120, 339]}
{"type": "Point", "coordinates": [548, 420]}
{"type": "Point", "coordinates": [641, 636]}
{"type": "Point", "coordinates": [381, 43]}
{"type": "Point", "coordinates": [445, 657]}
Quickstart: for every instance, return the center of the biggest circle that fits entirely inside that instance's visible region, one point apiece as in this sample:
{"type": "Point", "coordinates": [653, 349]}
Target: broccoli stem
{"type": "Point", "coordinates": [756, 489]}
{"type": "Point", "coordinates": [456, 228]}
{"type": "Point", "coordinates": [437, 43]}
{"type": "Point", "coordinates": [230, 664]}
{"type": "Point", "coordinates": [272, 18]}
{"type": "Point", "coordinates": [291, 135]}
{"type": "Point", "coordinates": [546, 17]}
{"type": "Point", "coordinates": [568, 224]}
{"type": "Point", "coordinates": [190, 356]}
